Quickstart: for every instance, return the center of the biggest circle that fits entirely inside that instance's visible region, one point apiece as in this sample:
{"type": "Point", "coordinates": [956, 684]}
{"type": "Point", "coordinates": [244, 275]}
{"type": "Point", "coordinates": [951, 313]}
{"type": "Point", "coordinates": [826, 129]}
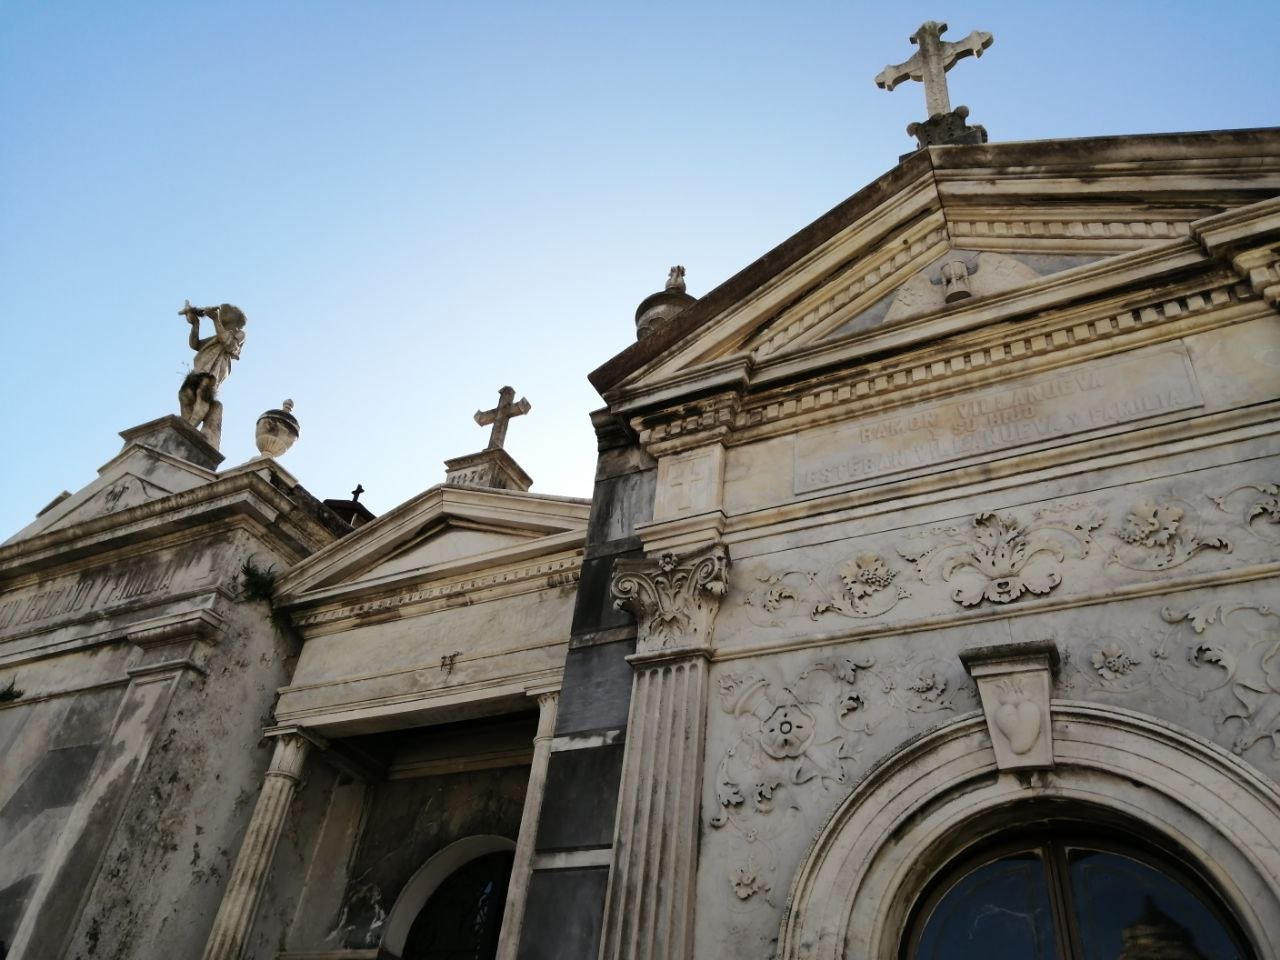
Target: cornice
{"type": "Point", "coordinates": [942, 367]}
{"type": "Point", "coordinates": [368, 714]}
{"type": "Point", "coordinates": [328, 613]}
{"type": "Point", "coordinates": [181, 516]}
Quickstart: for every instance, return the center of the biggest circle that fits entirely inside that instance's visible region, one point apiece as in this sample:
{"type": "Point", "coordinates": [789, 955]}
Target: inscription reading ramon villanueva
{"type": "Point", "coordinates": [1149, 383]}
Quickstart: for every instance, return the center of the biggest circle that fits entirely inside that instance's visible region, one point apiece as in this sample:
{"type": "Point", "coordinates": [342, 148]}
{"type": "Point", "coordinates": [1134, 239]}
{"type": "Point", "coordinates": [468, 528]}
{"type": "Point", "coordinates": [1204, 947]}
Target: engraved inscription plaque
{"type": "Point", "coordinates": [1032, 410]}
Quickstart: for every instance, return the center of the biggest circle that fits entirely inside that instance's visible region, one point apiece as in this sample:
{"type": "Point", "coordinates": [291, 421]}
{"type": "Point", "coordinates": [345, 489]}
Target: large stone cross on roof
{"type": "Point", "coordinates": [932, 61]}
{"type": "Point", "coordinates": [500, 415]}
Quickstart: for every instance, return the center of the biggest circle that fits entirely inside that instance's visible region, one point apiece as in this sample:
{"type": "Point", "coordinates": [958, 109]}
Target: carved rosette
{"type": "Point", "coordinates": [674, 598]}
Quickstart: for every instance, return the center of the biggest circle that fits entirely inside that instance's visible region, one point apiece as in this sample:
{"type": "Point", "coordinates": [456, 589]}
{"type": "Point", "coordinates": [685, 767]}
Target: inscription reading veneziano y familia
{"type": "Point", "coordinates": [1103, 394]}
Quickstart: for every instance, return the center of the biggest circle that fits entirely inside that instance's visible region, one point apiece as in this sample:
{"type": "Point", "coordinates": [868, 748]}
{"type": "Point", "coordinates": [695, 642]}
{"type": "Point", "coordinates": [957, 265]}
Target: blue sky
{"type": "Point", "coordinates": [415, 203]}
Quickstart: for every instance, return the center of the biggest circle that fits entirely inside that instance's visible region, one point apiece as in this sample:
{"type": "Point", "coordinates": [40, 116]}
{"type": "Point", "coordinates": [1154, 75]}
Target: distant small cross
{"type": "Point", "coordinates": [355, 494]}
{"type": "Point", "coordinates": [931, 63]}
{"type": "Point", "coordinates": [500, 415]}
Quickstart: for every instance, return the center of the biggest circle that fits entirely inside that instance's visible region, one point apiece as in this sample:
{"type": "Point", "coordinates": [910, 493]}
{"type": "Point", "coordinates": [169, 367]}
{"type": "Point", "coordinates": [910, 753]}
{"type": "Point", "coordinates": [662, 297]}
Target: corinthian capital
{"type": "Point", "coordinates": [674, 598]}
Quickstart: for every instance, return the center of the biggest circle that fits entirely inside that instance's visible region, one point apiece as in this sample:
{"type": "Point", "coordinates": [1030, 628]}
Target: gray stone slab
{"type": "Point", "coordinates": [581, 797]}
{"type": "Point", "coordinates": [597, 688]}
{"type": "Point", "coordinates": [594, 610]}
{"type": "Point", "coordinates": [563, 914]}
{"type": "Point", "coordinates": [620, 503]}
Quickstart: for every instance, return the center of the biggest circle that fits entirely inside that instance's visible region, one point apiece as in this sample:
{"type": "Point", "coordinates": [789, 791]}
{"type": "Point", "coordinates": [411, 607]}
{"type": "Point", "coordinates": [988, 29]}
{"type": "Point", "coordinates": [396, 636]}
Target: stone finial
{"type": "Point", "coordinates": [657, 309]}
{"type": "Point", "coordinates": [277, 430]}
{"type": "Point", "coordinates": [929, 65]}
{"type": "Point", "coordinates": [198, 395]}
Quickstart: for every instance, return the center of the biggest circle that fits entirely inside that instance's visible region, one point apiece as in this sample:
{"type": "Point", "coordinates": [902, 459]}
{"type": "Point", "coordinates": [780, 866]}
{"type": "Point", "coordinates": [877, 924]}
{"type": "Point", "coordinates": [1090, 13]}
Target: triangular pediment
{"type": "Point", "coordinates": [445, 542]}
{"type": "Point", "coordinates": [150, 466]}
{"type": "Point", "coordinates": [1009, 216]}
{"type": "Point", "coordinates": [443, 532]}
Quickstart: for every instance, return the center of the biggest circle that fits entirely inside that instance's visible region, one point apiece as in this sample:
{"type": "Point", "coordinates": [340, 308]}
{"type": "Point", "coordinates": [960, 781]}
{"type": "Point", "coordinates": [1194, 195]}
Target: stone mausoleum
{"type": "Point", "coordinates": [926, 607]}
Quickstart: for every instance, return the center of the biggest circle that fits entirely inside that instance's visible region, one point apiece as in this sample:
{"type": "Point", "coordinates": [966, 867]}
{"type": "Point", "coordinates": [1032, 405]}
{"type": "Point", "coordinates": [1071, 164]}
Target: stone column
{"type": "Point", "coordinates": [649, 904]}
{"type": "Point", "coordinates": [522, 868]}
{"type": "Point", "coordinates": [234, 921]}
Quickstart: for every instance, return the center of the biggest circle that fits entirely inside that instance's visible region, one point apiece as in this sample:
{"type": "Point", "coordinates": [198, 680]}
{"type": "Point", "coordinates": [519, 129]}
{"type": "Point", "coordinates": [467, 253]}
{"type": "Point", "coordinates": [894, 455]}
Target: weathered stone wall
{"type": "Point", "coordinates": [1153, 571]}
{"type": "Point", "coordinates": [133, 758]}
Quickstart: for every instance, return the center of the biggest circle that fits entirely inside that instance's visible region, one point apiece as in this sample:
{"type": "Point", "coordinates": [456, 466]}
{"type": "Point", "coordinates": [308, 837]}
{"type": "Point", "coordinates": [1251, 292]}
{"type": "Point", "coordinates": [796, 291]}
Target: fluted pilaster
{"type": "Point", "coordinates": [649, 904]}
{"type": "Point", "coordinates": [234, 920]}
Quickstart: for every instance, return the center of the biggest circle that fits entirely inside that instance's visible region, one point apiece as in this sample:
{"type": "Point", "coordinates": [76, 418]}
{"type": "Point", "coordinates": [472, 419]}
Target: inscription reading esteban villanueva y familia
{"type": "Point", "coordinates": [1101, 394]}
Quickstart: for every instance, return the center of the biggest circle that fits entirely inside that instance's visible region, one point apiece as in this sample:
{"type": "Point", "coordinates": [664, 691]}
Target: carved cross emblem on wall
{"type": "Point", "coordinates": [931, 63]}
{"type": "Point", "coordinates": [501, 415]}
{"type": "Point", "coordinates": [688, 483]}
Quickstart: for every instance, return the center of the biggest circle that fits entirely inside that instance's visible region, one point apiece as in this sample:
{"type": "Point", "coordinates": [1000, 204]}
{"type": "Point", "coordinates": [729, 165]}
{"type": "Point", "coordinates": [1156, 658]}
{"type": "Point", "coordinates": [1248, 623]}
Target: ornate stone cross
{"type": "Point", "coordinates": [932, 61]}
{"type": "Point", "coordinates": [500, 415]}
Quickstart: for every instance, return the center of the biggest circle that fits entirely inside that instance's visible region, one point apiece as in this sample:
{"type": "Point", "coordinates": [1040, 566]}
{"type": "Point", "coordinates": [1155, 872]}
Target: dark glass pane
{"type": "Point", "coordinates": [1130, 911]}
{"type": "Point", "coordinates": [1001, 909]}
{"type": "Point", "coordinates": [462, 919]}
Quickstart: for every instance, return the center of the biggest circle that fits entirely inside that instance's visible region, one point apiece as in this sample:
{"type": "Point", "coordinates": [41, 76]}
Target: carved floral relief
{"type": "Point", "coordinates": [797, 741]}
{"type": "Point", "coordinates": [1223, 658]}
{"type": "Point", "coordinates": [1160, 533]}
{"type": "Point", "coordinates": [860, 587]}
{"type": "Point", "coordinates": [1001, 558]}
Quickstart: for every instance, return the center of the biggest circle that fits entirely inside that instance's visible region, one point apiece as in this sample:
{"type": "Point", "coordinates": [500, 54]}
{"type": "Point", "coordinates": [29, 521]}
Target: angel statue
{"type": "Point", "coordinates": [198, 395]}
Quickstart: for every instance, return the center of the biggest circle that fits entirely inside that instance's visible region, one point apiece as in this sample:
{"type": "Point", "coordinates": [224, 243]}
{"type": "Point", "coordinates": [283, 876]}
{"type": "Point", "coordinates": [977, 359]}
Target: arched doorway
{"type": "Point", "coordinates": [942, 797]}
{"type": "Point", "coordinates": [463, 917]}
{"type": "Point", "coordinates": [1065, 893]}
{"type": "Point", "coordinates": [452, 907]}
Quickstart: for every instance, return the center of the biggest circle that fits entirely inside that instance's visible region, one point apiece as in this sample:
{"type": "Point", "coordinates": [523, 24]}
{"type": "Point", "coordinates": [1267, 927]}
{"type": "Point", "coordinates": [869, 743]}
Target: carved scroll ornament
{"type": "Point", "coordinates": [674, 598]}
{"type": "Point", "coordinates": [1259, 509]}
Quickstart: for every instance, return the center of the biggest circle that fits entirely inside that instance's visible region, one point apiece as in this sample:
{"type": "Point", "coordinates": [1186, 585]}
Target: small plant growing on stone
{"type": "Point", "coordinates": [11, 692]}
{"type": "Point", "coordinates": [259, 584]}
{"type": "Point", "coordinates": [256, 583]}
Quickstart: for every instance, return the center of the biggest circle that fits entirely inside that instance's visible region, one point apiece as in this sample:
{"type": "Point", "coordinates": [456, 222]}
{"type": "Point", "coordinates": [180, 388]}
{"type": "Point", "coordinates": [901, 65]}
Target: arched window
{"type": "Point", "coordinates": [1070, 896]}
{"type": "Point", "coordinates": [463, 917]}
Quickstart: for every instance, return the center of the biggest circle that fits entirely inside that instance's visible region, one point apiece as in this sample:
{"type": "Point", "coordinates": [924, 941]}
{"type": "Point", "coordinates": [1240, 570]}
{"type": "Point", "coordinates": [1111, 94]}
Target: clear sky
{"type": "Point", "coordinates": [415, 203]}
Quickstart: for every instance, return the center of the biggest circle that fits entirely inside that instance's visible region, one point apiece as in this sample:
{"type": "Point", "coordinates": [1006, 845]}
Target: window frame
{"type": "Point", "coordinates": [1053, 842]}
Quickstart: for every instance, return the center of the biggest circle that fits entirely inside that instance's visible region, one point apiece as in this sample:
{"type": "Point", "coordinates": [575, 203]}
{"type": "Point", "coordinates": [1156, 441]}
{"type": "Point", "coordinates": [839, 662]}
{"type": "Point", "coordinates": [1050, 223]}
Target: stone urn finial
{"type": "Point", "coordinates": [658, 309]}
{"type": "Point", "coordinates": [277, 430]}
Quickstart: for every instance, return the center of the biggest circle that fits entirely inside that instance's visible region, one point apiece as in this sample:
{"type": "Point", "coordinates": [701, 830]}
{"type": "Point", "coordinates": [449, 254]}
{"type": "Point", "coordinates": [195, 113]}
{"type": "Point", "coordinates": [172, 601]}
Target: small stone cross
{"type": "Point", "coordinates": [500, 415]}
{"type": "Point", "coordinates": [355, 494]}
{"type": "Point", "coordinates": [931, 63]}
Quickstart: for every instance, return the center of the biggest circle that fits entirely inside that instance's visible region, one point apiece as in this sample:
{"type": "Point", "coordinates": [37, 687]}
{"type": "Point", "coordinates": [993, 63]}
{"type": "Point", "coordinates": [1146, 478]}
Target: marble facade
{"type": "Point", "coordinates": [956, 511]}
